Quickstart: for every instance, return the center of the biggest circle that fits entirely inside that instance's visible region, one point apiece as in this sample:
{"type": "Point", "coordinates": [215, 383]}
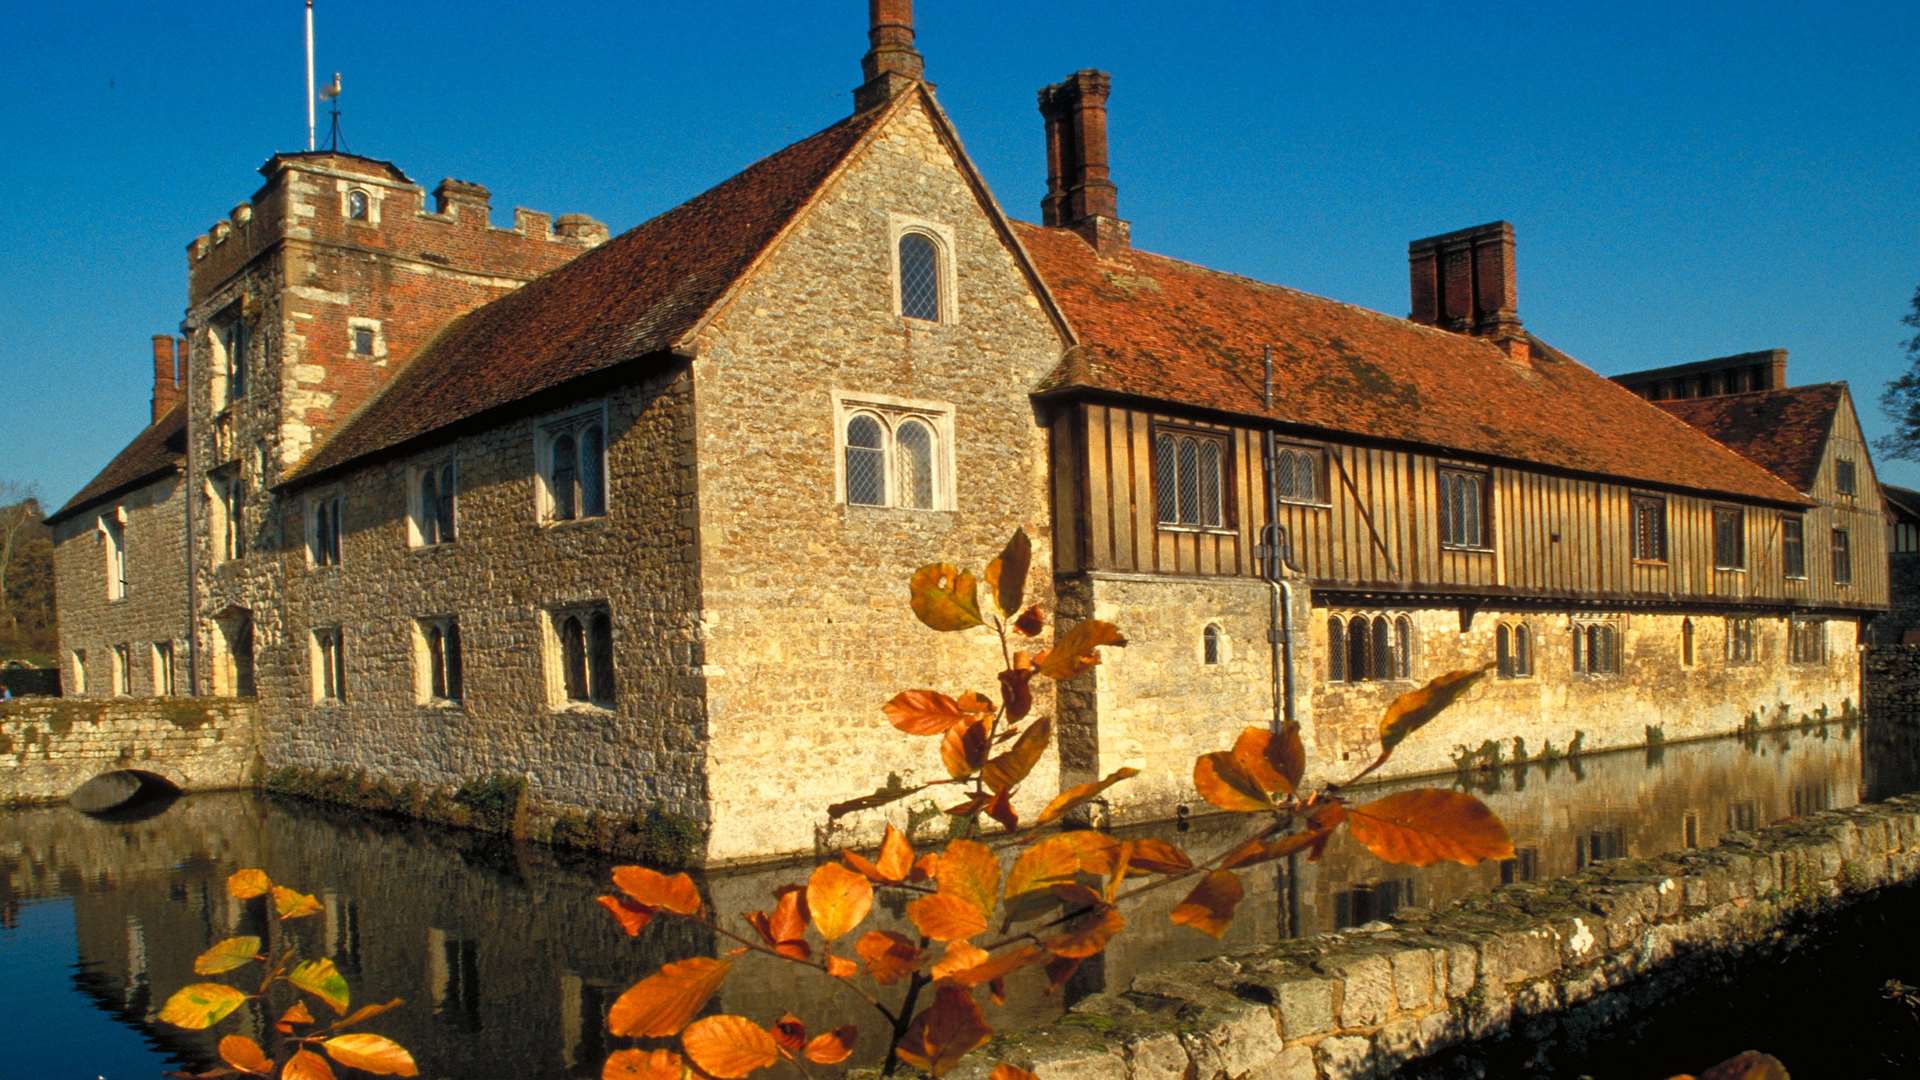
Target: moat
{"type": "Point", "coordinates": [507, 965]}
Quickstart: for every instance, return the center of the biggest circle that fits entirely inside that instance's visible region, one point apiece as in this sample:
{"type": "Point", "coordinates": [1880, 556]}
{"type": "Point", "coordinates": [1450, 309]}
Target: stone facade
{"type": "Point", "coordinates": [50, 747]}
{"type": "Point", "coordinates": [147, 620]}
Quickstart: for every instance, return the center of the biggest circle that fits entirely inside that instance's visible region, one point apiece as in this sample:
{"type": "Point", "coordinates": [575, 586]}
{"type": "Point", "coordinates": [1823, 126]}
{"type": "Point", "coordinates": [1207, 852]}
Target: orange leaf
{"type": "Point", "coordinates": [1013, 766]}
{"type": "Point", "coordinates": [895, 859]}
{"type": "Point", "coordinates": [244, 1054]}
{"type": "Point", "coordinates": [1075, 651]}
{"type": "Point", "coordinates": [366, 1012]}
{"type": "Point", "coordinates": [838, 898]}
{"type": "Point", "coordinates": [1273, 761]}
{"type": "Point", "coordinates": [1080, 793]}
{"type": "Point", "coordinates": [1222, 782]}
{"type": "Point", "coordinates": [841, 968]}
{"type": "Point", "coordinates": [1414, 708]}
{"type": "Point", "coordinates": [1747, 1065]}
{"type": "Point", "coordinates": [1049, 862]}
{"type": "Point", "coordinates": [632, 917]}
{"type": "Point", "coordinates": [969, 870]}
{"type": "Point", "coordinates": [306, 1065]}
{"type": "Point", "coordinates": [789, 1033]}
{"type": "Point", "coordinates": [371, 1053]}
{"type": "Point", "coordinates": [644, 1065]}
{"type": "Point", "coordinates": [1160, 857]}
{"type": "Point", "coordinates": [946, 917]}
{"type": "Point", "coordinates": [1209, 907]}
{"type": "Point", "coordinates": [785, 930]}
{"type": "Point", "coordinates": [677, 894]}
{"type": "Point", "coordinates": [663, 1002]}
{"type": "Point", "coordinates": [294, 905]}
{"type": "Point", "coordinates": [1001, 810]}
{"type": "Point", "coordinates": [1097, 851]}
{"type": "Point", "coordinates": [889, 956]}
{"type": "Point", "coordinates": [1086, 934]}
{"type": "Point", "coordinates": [945, 1031]}
{"type": "Point", "coordinates": [833, 1047]}
{"type": "Point", "coordinates": [298, 1015]}
{"type": "Point", "coordinates": [1422, 827]}
{"type": "Point", "coordinates": [247, 884]}
{"type": "Point", "coordinates": [1257, 850]}
{"type": "Point", "coordinates": [945, 597]}
{"type": "Point", "coordinates": [959, 957]}
{"type": "Point", "coordinates": [728, 1047]}
{"type": "Point", "coordinates": [1004, 1071]}
{"type": "Point", "coordinates": [964, 748]}
{"type": "Point", "coordinates": [923, 867]}
{"type": "Point", "coordinates": [1030, 622]}
{"type": "Point", "coordinates": [1007, 575]}
{"type": "Point", "coordinates": [1000, 966]}
{"type": "Point", "coordinates": [928, 712]}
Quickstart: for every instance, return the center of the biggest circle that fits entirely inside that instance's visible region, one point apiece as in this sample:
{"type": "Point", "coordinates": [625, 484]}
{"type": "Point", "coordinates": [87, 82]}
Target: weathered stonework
{"type": "Point", "coordinates": [153, 609]}
{"type": "Point", "coordinates": [49, 747]}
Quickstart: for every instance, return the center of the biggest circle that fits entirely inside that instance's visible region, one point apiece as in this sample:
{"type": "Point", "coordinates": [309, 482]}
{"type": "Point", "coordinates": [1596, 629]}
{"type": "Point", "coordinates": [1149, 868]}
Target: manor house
{"type": "Point", "coordinates": [633, 517]}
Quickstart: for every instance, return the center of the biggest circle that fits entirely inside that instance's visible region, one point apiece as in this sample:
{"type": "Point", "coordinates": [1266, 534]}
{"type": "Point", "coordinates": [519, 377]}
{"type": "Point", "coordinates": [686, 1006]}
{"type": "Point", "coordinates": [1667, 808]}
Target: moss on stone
{"type": "Point", "coordinates": [185, 715]}
{"type": "Point", "coordinates": [493, 801]}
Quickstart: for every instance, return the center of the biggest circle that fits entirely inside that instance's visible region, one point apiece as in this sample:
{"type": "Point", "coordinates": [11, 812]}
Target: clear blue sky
{"type": "Point", "coordinates": [1686, 180]}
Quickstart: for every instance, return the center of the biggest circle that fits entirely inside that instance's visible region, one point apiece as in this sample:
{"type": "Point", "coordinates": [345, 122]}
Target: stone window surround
{"type": "Point", "coordinates": [1523, 643]}
{"type": "Point", "coordinates": [121, 657]}
{"type": "Point", "coordinates": [1223, 644]}
{"type": "Point", "coordinates": [375, 193]}
{"type": "Point", "coordinates": [226, 334]}
{"type": "Point", "coordinates": [899, 225]}
{"type": "Point", "coordinates": [1582, 647]}
{"type": "Point", "coordinates": [545, 431]}
{"type": "Point", "coordinates": [80, 686]}
{"type": "Point", "coordinates": [357, 322]}
{"type": "Point", "coordinates": [891, 411]}
{"type": "Point", "coordinates": [1400, 663]}
{"type": "Point", "coordinates": [338, 525]}
{"type": "Point", "coordinates": [112, 527]}
{"type": "Point", "coordinates": [163, 682]}
{"type": "Point", "coordinates": [423, 663]}
{"type": "Point", "coordinates": [554, 662]}
{"type": "Point", "coordinates": [319, 657]}
{"type": "Point", "coordinates": [417, 511]}
{"type": "Point", "coordinates": [1317, 457]}
{"type": "Point", "coordinates": [226, 513]}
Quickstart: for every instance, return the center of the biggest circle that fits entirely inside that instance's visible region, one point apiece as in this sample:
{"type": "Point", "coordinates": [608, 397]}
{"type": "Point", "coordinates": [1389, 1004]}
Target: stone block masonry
{"type": "Point", "coordinates": [50, 747]}
{"type": "Point", "coordinates": [1533, 958]}
{"type": "Point", "coordinates": [1890, 675]}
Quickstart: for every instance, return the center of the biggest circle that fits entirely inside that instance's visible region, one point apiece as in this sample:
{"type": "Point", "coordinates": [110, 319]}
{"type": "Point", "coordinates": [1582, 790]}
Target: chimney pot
{"type": "Point", "coordinates": [1080, 192]}
{"type": "Point", "coordinates": [891, 65]}
{"type": "Point", "coordinates": [166, 377]}
{"type": "Point", "coordinates": [1466, 281]}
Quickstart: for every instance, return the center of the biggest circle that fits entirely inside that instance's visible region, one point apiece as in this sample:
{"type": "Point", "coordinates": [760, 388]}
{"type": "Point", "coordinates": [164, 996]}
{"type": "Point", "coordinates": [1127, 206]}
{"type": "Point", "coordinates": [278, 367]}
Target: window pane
{"type": "Point", "coordinates": [1381, 666]}
{"type": "Point", "coordinates": [436, 663]}
{"type": "Point", "coordinates": [1336, 651]}
{"type": "Point", "coordinates": [456, 679]}
{"type": "Point", "coordinates": [1210, 642]}
{"type": "Point", "coordinates": [429, 518]}
{"type": "Point", "coordinates": [1842, 558]}
{"type": "Point", "coordinates": [1306, 478]}
{"type": "Point", "coordinates": [1402, 647]}
{"type": "Point", "coordinates": [1189, 487]}
{"type": "Point", "coordinates": [1166, 478]}
{"type": "Point", "coordinates": [1211, 511]}
{"type": "Point", "coordinates": [915, 445]}
{"type": "Point", "coordinates": [919, 278]}
{"type": "Point", "coordinates": [561, 480]}
{"type": "Point", "coordinates": [1503, 652]}
{"type": "Point", "coordinates": [573, 654]}
{"type": "Point", "coordinates": [593, 479]}
{"type": "Point", "coordinates": [1522, 650]}
{"type": "Point", "coordinates": [600, 658]}
{"type": "Point", "coordinates": [866, 462]}
{"type": "Point", "coordinates": [1358, 640]}
{"type": "Point", "coordinates": [443, 511]}
{"type": "Point", "coordinates": [1283, 474]}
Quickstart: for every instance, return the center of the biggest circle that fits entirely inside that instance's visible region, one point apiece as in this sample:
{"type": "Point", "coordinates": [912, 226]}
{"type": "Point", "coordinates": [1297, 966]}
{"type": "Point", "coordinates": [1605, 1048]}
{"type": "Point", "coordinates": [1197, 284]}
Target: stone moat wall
{"type": "Point", "coordinates": [1528, 959]}
{"type": "Point", "coordinates": [1890, 675]}
{"type": "Point", "coordinates": [50, 746]}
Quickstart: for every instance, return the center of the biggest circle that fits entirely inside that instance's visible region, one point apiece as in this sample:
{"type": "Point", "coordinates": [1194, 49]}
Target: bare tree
{"type": "Point", "coordinates": [19, 508]}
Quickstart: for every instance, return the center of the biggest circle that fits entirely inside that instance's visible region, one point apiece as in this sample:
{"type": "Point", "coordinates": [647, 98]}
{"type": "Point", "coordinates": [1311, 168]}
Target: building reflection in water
{"type": "Point", "coordinates": [508, 966]}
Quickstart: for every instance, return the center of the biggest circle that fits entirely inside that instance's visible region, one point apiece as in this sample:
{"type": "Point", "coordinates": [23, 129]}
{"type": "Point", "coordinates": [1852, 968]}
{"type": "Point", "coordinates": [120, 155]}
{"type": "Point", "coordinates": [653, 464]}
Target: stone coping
{"type": "Point", "coordinates": [1363, 1002]}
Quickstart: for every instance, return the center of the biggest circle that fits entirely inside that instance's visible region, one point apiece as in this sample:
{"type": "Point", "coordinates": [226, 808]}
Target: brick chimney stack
{"type": "Point", "coordinates": [891, 65]}
{"type": "Point", "coordinates": [1080, 192]}
{"type": "Point", "coordinates": [166, 379]}
{"type": "Point", "coordinates": [1464, 281]}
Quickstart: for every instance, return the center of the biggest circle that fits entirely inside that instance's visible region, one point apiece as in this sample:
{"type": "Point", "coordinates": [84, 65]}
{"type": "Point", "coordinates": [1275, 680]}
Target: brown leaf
{"type": "Point", "coordinates": [1001, 810]}
{"type": "Point", "coordinates": [1013, 766]}
{"type": "Point", "coordinates": [1050, 862]}
{"type": "Point", "coordinates": [1275, 761]}
{"type": "Point", "coordinates": [1030, 622]}
{"type": "Point", "coordinates": [832, 1047]}
{"type": "Point", "coordinates": [893, 862]}
{"type": "Point", "coordinates": [247, 884]}
{"type": "Point", "coordinates": [1222, 782]}
{"type": "Point", "coordinates": [1016, 688]}
{"type": "Point", "coordinates": [1080, 793]}
{"type": "Point", "coordinates": [244, 1054]}
{"type": "Point", "coordinates": [1209, 907]}
{"type": "Point", "coordinates": [969, 870]}
{"type": "Point", "coordinates": [945, 597]}
{"type": "Point", "coordinates": [653, 889]}
{"type": "Point", "coordinates": [729, 1047]}
{"type": "Point", "coordinates": [1748, 1065]}
{"type": "Point", "coordinates": [958, 958]}
{"type": "Point", "coordinates": [663, 1002]}
{"type": "Point", "coordinates": [371, 1053]}
{"type": "Point", "coordinates": [945, 1031]}
{"type": "Point", "coordinates": [1004, 1071]}
{"type": "Point", "coordinates": [890, 957]}
{"type": "Point", "coordinates": [1076, 651]}
{"type": "Point", "coordinates": [1159, 857]}
{"type": "Point", "coordinates": [974, 803]}
{"type": "Point", "coordinates": [946, 917]}
{"type": "Point", "coordinates": [838, 899]}
{"type": "Point", "coordinates": [1415, 707]}
{"type": "Point", "coordinates": [1087, 934]}
{"type": "Point", "coordinates": [644, 1065]}
{"type": "Point", "coordinates": [296, 1016]}
{"type": "Point", "coordinates": [789, 1033]}
{"type": "Point", "coordinates": [999, 967]}
{"type": "Point", "coordinates": [632, 917]}
{"type": "Point", "coordinates": [1097, 851]}
{"type": "Point", "coordinates": [306, 1065]}
{"type": "Point", "coordinates": [1424, 826]}
{"type": "Point", "coordinates": [930, 712]}
{"type": "Point", "coordinates": [1256, 850]}
{"type": "Point", "coordinates": [964, 748]}
{"type": "Point", "coordinates": [294, 905]}
{"type": "Point", "coordinates": [1059, 970]}
{"type": "Point", "coordinates": [365, 1013]}
{"type": "Point", "coordinates": [1007, 575]}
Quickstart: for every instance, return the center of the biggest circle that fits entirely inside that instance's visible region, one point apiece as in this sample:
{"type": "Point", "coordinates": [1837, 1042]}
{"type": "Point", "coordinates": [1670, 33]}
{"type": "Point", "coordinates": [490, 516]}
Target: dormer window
{"type": "Point", "coordinates": [358, 205]}
{"type": "Point", "coordinates": [923, 286]}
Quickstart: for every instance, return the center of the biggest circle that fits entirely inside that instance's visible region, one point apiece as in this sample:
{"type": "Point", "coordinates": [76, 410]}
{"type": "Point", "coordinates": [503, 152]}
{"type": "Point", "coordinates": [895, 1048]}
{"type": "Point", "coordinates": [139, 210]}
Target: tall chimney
{"type": "Point", "coordinates": [891, 64]}
{"type": "Point", "coordinates": [1464, 281]}
{"type": "Point", "coordinates": [1080, 192]}
{"type": "Point", "coordinates": [166, 380]}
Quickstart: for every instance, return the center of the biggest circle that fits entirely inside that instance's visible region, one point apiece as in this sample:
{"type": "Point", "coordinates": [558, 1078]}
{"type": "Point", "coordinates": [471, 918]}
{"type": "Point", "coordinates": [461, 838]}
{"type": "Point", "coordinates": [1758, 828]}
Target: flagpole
{"type": "Point", "coordinates": [310, 144]}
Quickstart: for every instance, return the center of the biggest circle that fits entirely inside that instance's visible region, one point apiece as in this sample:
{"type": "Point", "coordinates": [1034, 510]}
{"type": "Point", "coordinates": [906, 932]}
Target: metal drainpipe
{"type": "Point", "coordinates": [1272, 568]}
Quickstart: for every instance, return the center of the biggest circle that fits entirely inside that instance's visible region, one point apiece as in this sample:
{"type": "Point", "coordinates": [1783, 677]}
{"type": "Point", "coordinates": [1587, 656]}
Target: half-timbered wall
{"type": "Point", "coordinates": [1376, 524]}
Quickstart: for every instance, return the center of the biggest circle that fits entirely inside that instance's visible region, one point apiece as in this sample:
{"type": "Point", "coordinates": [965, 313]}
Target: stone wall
{"type": "Point", "coordinates": [1903, 595]}
{"type": "Point", "coordinates": [1891, 677]}
{"type": "Point", "coordinates": [154, 608]}
{"type": "Point", "coordinates": [50, 747]}
{"type": "Point", "coordinates": [1363, 1003]}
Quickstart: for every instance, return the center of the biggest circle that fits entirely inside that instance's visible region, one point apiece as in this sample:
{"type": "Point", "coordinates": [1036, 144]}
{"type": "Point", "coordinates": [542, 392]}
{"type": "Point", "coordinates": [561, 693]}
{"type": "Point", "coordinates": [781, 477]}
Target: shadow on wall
{"type": "Point", "coordinates": [22, 680]}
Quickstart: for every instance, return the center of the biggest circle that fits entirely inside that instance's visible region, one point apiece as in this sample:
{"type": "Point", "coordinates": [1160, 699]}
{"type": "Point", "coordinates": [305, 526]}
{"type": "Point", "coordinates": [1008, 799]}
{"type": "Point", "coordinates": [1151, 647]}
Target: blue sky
{"type": "Point", "coordinates": [1686, 180]}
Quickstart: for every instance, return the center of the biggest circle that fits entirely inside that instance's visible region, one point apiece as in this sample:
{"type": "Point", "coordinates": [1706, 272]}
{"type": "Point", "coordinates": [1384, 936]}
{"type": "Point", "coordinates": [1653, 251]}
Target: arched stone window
{"type": "Point", "coordinates": [920, 286]}
{"type": "Point", "coordinates": [573, 467]}
{"type": "Point", "coordinates": [1514, 649]}
{"type": "Point", "coordinates": [1364, 648]}
{"type": "Point", "coordinates": [358, 205]}
{"type": "Point", "coordinates": [866, 461]}
{"type": "Point", "coordinates": [562, 476]}
{"type": "Point", "coordinates": [1210, 644]}
{"type": "Point", "coordinates": [913, 442]}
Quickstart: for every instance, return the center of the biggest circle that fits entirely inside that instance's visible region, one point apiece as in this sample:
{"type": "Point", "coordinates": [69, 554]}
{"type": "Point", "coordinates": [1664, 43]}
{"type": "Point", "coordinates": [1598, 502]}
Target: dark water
{"type": "Point", "coordinates": [508, 966]}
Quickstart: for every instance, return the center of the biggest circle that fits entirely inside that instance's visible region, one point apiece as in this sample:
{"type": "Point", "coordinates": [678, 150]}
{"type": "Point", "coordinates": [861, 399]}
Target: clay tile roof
{"type": "Point", "coordinates": [1158, 328]}
{"type": "Point", "coordinates": [1782, 431]}
{"type": "Point", "coordinates": [633, 296]}
{"type": "Point", "coordinates": [160, 449]}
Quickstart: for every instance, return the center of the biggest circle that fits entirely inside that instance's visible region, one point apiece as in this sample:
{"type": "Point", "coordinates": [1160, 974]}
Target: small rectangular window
{"type": "Point", "coordinates": [573, 467]}
{"type": "Point", "coordinates": [1596, 648]}
{"type": "Point", "coordinates": [324, 528]}
{"type": "Point", "coordinates": [1842, 558]}
{"type": "Point", "coordinates": [1463, 509]}
{"type": "Point", "coordinates": [1740, 640]}
{"type": "Point", "coordinates": [1845, 478]}
{"type": "Point", "coordinates": [122, 671]}
{"type": "Point", "coordinates": [228, 498]}
{"type": "Point", "coordinates": [1793, 545]}
{"type": "Point", "coordinates": [580, 656]}
{"type": "Point", "coordinates": [329, 665]}
{"type": "Point", "coordinates": [441, 680]}
{"type": "Point", "coordinates": [1299, 475]}
{"type": "Point", "coordinates": [1807, 641]}
{"type": "Point", "coordinates": [163, 669]}
{"type": "Point", "coordinates": [1190, 478]}
{"type": "Point", "coordinates": [231, 339]}
{"type": "Point", "coordinates": [1649, 528]}
{"type": "Point", "coordinates": [1729, 538]}
{"type": "Point", "coordinates": [116, 536]}
{"type": "Point", "coordinates": [80, 671]}
{"type": "Point", "coordinates": [431, 504]}
{"type": "Point", "coordinates": [363, 341]}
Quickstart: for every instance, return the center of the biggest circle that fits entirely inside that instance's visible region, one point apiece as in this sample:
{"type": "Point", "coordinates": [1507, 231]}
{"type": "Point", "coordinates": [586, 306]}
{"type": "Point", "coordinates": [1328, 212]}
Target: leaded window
{"type": "Point", "coordinates": [1845, 476]}
{"type": "Point", "coordinates": [1190, 475]}
{"type": "Point", "coordinates": [913, 449]}
{"type": "Point", "coordinates": [1793, 545]}
{"type": "Point", "coordinates": [1842, 558]}
{"type": "Point", "coordinates": [444, 679]}
{"type": "Point", "coordinates": [919, 277]}
{"type": "Point", "coordinates": [1366, 648]}
{"type": "Point", "coordinates": [866, 461]}
{"type": "Point", "coordinates": [1296, 475]}
{"type": "Point", "coordinates": [1729, 538]}
{"type": "Point", "coordinates": [1210, 644]}
{"type": "Point", "coordinates": [1514, 650]}
{"type": "Point", "coordinates": [1596, 648]}
{"type": "Point", "coordinates": [1740, 640]}
{"type": "Point", "coordinates": [1807, 641]}
{"type": "Point", "coordinates": [1650, 528]}
{"type": "Point", "coordinates": [1463, 508]}
{"type": "Point", "coordinates": [585, 653]}
{"type": "Point", "coordinates": [433, 504]}
{"type": "Point", "coordinates": [574, 468]}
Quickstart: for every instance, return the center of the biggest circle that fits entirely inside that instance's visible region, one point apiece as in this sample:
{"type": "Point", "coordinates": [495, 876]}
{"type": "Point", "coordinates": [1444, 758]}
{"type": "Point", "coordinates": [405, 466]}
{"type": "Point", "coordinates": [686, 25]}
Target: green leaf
{"type": "Point", "coordinates": [945, 597]}
{"type": "Point", "coordinates": [321, 979]}
{"type": "Point", "coordinates": [227, 955]}
{"type": "Point", "coordinates": [201, 1005]}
